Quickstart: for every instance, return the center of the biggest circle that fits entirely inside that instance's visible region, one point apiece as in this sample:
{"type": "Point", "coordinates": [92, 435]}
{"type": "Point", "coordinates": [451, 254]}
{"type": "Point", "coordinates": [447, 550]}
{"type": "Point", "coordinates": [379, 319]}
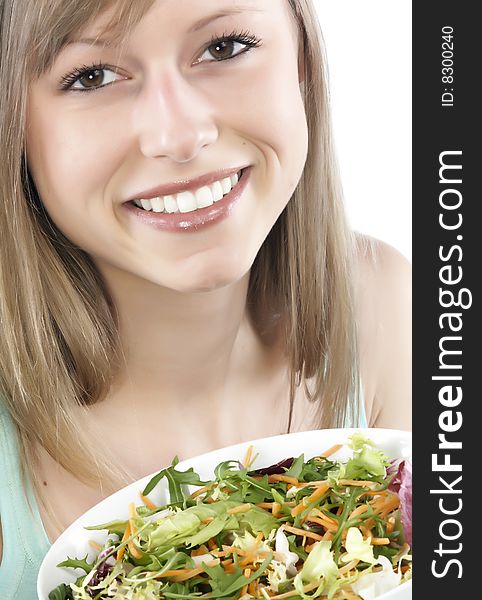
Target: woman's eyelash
{"type": "Point", "coordinates": [242, 37]}
{"type": "Point", "coordinates": [68, 80]}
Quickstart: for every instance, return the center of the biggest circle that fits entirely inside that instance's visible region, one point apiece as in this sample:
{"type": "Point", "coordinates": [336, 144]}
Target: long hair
{"type": "Point", "coordinates": [60, 347]}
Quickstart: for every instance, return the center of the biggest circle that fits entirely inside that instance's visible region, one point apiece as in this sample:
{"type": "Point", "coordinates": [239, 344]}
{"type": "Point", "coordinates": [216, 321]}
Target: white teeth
{"type": "Point", "coordinates": [157, 204]}
{"type": "Point", "coordinates": [189, 201]}
{"type": "Point", "coordinates": [186, 202]}
{"type": "Point", "coordinates": [170, 204]}
{"type": "Point", "coordinates": [217, 190]}
{"type": "Point", "coordinates": [226, 185]}
{"type": "Point", "coordinates": [204, 197]}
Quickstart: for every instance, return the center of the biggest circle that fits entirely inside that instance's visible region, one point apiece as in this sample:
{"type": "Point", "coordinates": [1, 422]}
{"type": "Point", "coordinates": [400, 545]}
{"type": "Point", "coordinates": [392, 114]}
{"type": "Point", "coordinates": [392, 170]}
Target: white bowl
{"type": "Point", "coordinates": [74, 541]}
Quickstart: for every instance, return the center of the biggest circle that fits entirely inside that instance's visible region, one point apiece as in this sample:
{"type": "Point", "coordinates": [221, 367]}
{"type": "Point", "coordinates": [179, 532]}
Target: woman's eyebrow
{"type": "Point", "coordinates": [235, 10]}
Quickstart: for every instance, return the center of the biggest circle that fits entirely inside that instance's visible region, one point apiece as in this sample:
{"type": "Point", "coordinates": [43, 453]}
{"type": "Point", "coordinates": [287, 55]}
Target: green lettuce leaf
{"type": "Point", "coordinates": [368, 462]}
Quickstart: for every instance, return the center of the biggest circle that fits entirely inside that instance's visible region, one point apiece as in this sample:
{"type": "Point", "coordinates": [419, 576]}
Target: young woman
{"type": "Point", "coordinates": [176, 270]}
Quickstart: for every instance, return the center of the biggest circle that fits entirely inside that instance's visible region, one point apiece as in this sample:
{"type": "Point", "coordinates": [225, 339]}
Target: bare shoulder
{"type": "Point", "coordinates": [383, 304]}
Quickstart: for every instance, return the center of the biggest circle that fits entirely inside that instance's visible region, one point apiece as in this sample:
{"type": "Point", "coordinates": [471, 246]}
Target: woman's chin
{"type": "Point", "coordinates": [210, 273]}
{"type": "Point", "coordinates": [208, 283]}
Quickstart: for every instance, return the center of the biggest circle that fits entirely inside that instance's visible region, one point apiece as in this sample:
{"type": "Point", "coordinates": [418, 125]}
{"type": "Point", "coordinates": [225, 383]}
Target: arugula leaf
{"type": "Point", "coordinates": [296, 467]}
{"type": "Point", "coordinates": [175, 479]}
{"type": "Point", "coordinates": [78, 563]}
{"type": "Point", "coordinates": [61, 592]}
{"type": "Point", "coordinates": [117, 527]}
{"type": "Point", "coordinates": [178, 590]}
{"type": "Point", "coordinates": [225, 584]}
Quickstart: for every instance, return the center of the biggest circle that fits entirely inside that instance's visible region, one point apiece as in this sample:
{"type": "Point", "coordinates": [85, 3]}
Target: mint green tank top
{"type": "Point", "coordinates": [25, 541]}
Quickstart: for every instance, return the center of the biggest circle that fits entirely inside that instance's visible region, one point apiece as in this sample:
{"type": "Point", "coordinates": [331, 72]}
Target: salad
{"type": "Point", "coordinates": [298, 529]}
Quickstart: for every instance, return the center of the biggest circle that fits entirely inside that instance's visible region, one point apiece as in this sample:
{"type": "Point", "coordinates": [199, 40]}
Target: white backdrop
{"type": "Point", "coordinates": [368, 45]}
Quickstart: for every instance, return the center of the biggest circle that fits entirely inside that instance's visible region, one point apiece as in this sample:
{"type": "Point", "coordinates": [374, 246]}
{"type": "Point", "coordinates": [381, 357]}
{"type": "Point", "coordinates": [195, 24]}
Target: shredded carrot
{"type": "Point", "coordinates": [184, 574]}
{"type": "Point", "coordinates": [380, 541]}
{"type": "Point", "coordinates": [276, 508]}
{"type": "Point", "coordinates": [147, 501]}
{"type": "Point", "coordinates": [212, 544]}
{"type": "Point", "coordinates": [284, 478]}
{"type": "Point", "coordinates": [231, 550]}
{"type": "Point", "coordinates": [247, 562]}
{"type": "Point", "coordinates": [253, 588]}
{"type": "Point", "coordinates": [244, 589]}
{"type": "Point", "coordinates": [348, 567]}
{"type": "Point", "coordinates": [317, 512]}
{"type": "Point", "coordinates": [95, 545]}
{"type": "Point", "coordinates": [133, 550]}
{"type": "Point", "coordinates": [391, 525]}
{"type": "Point", "coordinates": [239, 509]}
{"type": "Point", "coordinates": [313, 484]}
{"type": "Point", "coordinates": [248, 458]}
{"type": "Point", "coordinates": [230, 568]}
{"type": "Point", "coordinates": [331, 450]}
{"type": "Point", "coordinates": [327, 536]}
{"type": "Point", "coordinates": [266, 505]}
{"type": "Point", "coordinates": [299, 508]}
{"type": "Point", "coordinates": [384, 506]}
{"type": "Point", "coordinates": [358, 511]}
{"type": "Point", "coordinates": [302, 532]}
{"type": "Point", "coordinates": [200, 491]}
{"type": "Point", "coordinates": [329, 526]}
{"type": "Point", "coordinates": [316, 495]}
{"type": "Point", "coordinates": [127, 533]}
{"type": "Point", "coordinates": [132, 511]}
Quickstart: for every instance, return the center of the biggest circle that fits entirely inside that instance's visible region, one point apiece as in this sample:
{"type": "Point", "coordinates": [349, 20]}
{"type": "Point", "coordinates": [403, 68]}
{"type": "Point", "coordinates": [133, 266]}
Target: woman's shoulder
{"type": "Point", "coordinates": [383, 307]}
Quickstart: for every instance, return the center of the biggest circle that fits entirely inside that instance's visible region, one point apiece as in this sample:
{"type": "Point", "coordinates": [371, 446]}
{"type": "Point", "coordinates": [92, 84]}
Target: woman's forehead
{"type": "Point", "coordinates": [104, 24]}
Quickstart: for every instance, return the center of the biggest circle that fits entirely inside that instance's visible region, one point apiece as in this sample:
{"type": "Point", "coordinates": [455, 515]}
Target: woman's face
{"type": "Point", "coordinates": [164, 116]}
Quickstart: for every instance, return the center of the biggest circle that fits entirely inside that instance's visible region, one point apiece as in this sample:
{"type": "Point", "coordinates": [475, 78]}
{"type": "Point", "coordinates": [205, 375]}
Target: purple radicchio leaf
{"type": "Point", "coordinates": [101, 573]}
{"type": "Point", "coordinates": [277, 469]}
{"type": "Point", "coordinates": [402, 485]}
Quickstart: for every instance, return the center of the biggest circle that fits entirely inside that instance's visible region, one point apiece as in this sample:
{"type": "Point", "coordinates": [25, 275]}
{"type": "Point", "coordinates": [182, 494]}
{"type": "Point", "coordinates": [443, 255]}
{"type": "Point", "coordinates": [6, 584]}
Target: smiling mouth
{"type": "Point", "coordinates": [190, 200]}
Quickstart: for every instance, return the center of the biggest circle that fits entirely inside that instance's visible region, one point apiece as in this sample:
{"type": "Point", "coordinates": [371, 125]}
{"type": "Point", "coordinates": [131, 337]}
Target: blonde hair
{"type": "Point", "coordinates": [60, 345]}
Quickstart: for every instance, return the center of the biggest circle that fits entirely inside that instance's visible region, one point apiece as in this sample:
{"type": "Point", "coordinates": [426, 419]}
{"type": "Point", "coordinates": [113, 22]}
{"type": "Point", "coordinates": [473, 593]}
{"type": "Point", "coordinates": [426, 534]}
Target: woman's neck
{"type": "Point", "coordinates": [177, 344]}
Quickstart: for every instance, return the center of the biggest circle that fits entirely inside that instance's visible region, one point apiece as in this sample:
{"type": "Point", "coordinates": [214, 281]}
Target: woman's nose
{"type": "Point", "coordinates": [173, 119]}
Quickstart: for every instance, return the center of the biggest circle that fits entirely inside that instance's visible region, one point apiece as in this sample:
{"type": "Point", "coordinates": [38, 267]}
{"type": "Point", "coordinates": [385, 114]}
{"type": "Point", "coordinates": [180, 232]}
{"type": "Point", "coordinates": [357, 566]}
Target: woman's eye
{"type": "Point", "coordinates": [224, 49]}
{"type": "Point", "coordinates": [228, 47]}
{"type": "Point", "coordinates": [92, 78]}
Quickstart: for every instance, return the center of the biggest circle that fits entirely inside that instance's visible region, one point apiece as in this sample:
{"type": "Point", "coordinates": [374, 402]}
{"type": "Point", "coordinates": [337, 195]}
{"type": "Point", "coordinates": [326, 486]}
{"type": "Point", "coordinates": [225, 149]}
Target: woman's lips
{"type": "Point", "coordinates": [197, 219]}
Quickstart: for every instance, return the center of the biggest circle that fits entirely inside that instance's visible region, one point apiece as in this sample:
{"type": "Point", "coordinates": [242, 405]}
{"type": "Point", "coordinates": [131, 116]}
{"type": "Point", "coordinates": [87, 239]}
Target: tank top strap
{"type": "Point", "coordinates": [25, 541]}
{"type": "Point", "coordinates": [360, 419]}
